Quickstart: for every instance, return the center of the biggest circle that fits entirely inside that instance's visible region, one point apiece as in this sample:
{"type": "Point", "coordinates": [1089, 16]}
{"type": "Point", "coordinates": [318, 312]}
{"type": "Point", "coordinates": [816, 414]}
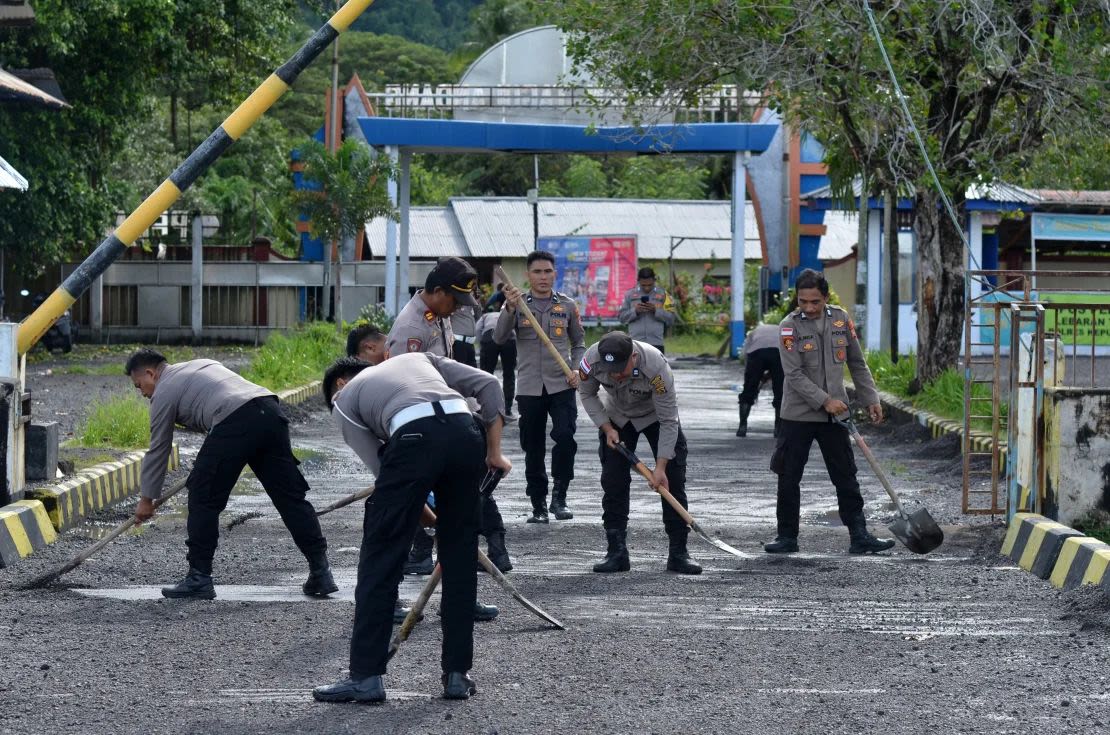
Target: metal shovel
{"type": "Point", "coordinates": [918, 532]}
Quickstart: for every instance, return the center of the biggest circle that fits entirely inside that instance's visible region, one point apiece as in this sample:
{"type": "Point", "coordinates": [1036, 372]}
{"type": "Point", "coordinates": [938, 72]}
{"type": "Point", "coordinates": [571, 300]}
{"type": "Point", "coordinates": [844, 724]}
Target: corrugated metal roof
{"type": "Point", "coordinates": [1077, 198]}
{"type": "Point", "coordinates": [433, 233]}
{"type": "Point", "coordinates": [502, 227]}
{"type": "Point", "coordinates": [10, 178]}
{"type": "Point", "coordinates": [14, 13]}
{"type": "Point", "coordinates": [841, 234]}
{"type": "Point", "coordinates": [499, 227]}
{"type": "Point", "coordinates": [997, 191]}
{"type": "Point", "coordinates": [14, 88]}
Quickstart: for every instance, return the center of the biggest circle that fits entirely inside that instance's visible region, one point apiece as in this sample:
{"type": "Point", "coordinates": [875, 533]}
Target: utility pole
{"type": "Point", "coordinates": [534, 200]}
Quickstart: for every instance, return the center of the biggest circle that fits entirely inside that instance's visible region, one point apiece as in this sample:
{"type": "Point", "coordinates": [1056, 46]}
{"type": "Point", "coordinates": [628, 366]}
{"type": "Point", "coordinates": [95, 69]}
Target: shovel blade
{"type": "Point", "coordinates": [919, 532]}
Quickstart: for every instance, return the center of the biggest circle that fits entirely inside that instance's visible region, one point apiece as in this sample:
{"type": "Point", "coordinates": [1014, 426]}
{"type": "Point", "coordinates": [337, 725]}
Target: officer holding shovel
{"type": "Point", "coordinates": [408, 420]}
{"type": "Point", "coordinates": [639, 400]}
{"type": "Point", "coordinates": [816, 341]}
{"type": "Point", "coordinates": [244, 426]}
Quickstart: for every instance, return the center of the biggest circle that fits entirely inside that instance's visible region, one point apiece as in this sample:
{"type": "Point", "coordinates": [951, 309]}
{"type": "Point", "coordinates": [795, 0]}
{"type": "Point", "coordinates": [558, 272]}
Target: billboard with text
{"type": "Point", "coordinates": [594, 270]}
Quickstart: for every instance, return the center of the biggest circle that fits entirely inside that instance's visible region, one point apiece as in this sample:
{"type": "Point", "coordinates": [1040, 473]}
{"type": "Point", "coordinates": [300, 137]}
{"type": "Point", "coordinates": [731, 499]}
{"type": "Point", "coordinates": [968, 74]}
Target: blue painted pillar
{"type": "Point", "coordinates": [391, 305]}
{"type": "Point", "coordinates": [739, 196]}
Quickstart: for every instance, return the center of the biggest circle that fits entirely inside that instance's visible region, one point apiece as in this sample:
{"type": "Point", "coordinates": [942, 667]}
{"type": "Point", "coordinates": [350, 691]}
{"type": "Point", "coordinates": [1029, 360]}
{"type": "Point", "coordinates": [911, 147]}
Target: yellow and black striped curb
{"type": "Point", "coordinates": [1034, 542]}
{"type": "Point", "coordinates": [981, 441]}
{"type": "Point", "coordinates": [300, 394]}
{"type": "Point", "coordinates": [1083, 560]}
{"type": "Point", "coordinates": [24, 528]}
{"type": "Point", "coordinates": [95, 488]}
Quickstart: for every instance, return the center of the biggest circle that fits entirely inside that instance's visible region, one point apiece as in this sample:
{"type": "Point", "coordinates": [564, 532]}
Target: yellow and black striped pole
{"type": "Point", "coordinates": [237, 123]}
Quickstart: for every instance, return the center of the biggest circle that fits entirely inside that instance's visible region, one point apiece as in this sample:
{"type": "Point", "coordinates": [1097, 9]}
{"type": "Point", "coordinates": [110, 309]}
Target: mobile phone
{"type": "Point", "coordinates": [644, 299]}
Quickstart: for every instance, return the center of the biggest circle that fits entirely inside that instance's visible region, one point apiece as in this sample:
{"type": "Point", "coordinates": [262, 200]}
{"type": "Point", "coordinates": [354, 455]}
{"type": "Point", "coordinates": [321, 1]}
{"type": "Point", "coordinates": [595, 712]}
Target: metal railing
{"type": "Point", "coordinates": [1009, 313]}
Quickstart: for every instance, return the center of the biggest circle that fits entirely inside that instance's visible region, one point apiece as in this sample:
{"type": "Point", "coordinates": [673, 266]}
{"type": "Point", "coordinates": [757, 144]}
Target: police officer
{"type": "Point", "coordinates": [647, 310]}
{"type": "Point", "coordinates": [464, 325]}
{"type": "Point", "coordinates": [367, 343]}
{"type": "Point", "coordinates": [761, 355]}
{"type": "Point", "coordinates": [816, 341]}
{"type": "Point", "coordinates": [424, 325]}
{"type": "Point", "coordinates": [408, 420]}
{"type": "Point", "coordinates": [639, 399]}
{"type": "Point", "coordinates": [245, 426]}
{"type": "Point", "coordinates": [491, 352]}
{"type": "Point", "coordinates": [543, 389]}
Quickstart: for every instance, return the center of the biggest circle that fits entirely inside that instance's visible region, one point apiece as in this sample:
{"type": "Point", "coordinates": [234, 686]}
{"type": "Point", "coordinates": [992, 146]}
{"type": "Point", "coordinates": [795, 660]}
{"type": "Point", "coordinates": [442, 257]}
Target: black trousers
{"type": "Point", "coordinates": [491, 351]}
{"type": "Point", "coordinates": [446, 453]}
{"type": "Point", "coordinates": [789, 461]}
{"type": "Point", "coordinates": [758, 363]}
{"type": "Point", "coordinates": [256, 434]}
{"type": "Point", "coordinates": [464, 352]}
{"type": "Point", "coordinates": [534, 410]}
{"type": "Point", "coordinates": [616, 479]}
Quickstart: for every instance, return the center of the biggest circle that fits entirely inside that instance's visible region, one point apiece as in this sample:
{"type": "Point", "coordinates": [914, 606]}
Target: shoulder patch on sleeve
{"type": "Point", "coordinates": [415, 344]}
{"type": "Point", "coordinates": [787, 336]}
{"type": "Point", "coordinates": [657, 383]}
{"type": "Point", "coordinates": [852, 329]}
{"type": "Point", "coordinates": [584, 367]}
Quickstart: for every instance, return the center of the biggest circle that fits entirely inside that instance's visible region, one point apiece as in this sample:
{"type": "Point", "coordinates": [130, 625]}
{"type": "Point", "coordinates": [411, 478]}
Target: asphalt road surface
{"type": "Point", "coordinates": [817, 642]}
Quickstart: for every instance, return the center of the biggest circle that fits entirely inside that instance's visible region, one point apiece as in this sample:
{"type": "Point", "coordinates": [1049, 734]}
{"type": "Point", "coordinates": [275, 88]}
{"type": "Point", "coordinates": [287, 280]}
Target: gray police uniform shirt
{"type": "Point", "coordinates": [536, 368]}
{"type": "Point", "coordinates": [485, 326]}
{"type": "Point", "coordinates": [814, 353]}
{"type": "Point", "coordinates": [647, 396]}
{"type": "Point", "coordinates": [647, 327]}
{"type": "Point", "coordinates": [763, 337]}
{"type": "Point", "coordinates": [463, 320]}
{"type": "Point", "coordinates": [364, 407]}
{"type": "Point", "coordinates": [197, 394]}
{"type": "Point", "coordinates": [418, 329]}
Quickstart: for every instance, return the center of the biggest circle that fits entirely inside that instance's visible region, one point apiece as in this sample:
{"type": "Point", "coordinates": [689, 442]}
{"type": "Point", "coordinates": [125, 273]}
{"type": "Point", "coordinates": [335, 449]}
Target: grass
{"type": "Point", "coordinates": [681, 341]}
{"type": "Point", "coordinates": [943, 396]}
{"type": "Point", "coordinates": [1095, 529]}
{"type": "Point", "coordinates": [122, 422]}
{"type": "Point", "coordinates": [296, 357]}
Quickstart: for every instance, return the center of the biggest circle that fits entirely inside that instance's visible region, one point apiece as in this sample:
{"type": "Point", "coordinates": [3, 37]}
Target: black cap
{"type": "Point", "coordinates": [613, 352]}
{"type": "Point", "coordinates": [456, 277]}
{"type": "Point", "coordinates": [646, 272]}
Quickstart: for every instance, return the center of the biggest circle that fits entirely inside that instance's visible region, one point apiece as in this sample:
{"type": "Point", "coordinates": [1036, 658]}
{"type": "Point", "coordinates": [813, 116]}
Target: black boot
{"type": "Point", "coordinates": [484, 613]}
{"type": "Point", "coordinates": [197, 585]}
{"type": "Point", "coordinates": [782, 545]}
{"type": "Point", "coordinates": [678, 560]}
{"type": "Point", "coordinates": [616, 558]}
{"type": "Point", "coordinates": [497, 553]}
{"type": "Point", "coordinates": [370, 690]}
{"type": "Point", "coordinates": [539, 509]}
{"type": "Point", "coordinates": [862, 541]}
{"type": "Point", "coordinates": [320, 583]}
{"type": "Point", "coordinates": [559, 507]}
{"type": "Point", "coordinates": [400, 612]}
{"type": "Point", "coordinates": [745, 409]}
{"type": "Point", "coordinates": [457, 685]}
{"type": "Point", "coordinates": [420, 555]}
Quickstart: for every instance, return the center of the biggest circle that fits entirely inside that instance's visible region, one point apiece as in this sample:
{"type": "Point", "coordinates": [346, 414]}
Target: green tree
{"type": "Point", "coordinates": [985, 81]}
{"type": "Point", "coordinates": [351, 189]}
{"type": "Point", "coordinates": [100, 52]}
{"type": "Point", "coordinates": [661, 177]}
{"type": "Point", "coordinates": [585, 177]}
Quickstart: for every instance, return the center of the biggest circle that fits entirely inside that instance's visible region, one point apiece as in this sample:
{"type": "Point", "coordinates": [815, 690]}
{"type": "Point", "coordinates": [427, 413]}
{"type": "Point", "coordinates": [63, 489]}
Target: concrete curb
{"type": "Point", "coordinates": [1035, 543]}
{"type": "Point", "coordinates": [24, 528]}
{"type": "Point", "coordinates": [937, 426]}
{"type": "Point", "coordinates": [300, 394]}
{"type": "Point", "coordinates": [93, 489]}
{"type": "Point", "coordinates": [1083, 560]}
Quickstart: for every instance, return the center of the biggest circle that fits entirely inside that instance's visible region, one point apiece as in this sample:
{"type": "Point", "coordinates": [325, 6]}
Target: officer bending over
{"type": "Point", "coordinates": [408, 420]}
{"type": "Point", "coordinates": [761, 355]}
{"type": "Point", "coordinates": [816, 341]}
{"type": "Point", "coordinates": [639, 399]}
{"type": "Point", "coordinates": [245, 426]}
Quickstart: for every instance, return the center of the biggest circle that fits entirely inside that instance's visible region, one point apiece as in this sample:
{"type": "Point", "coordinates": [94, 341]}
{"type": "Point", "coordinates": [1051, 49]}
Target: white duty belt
{"type": "Point", "coordinates": [424, 410]}
{"type": "Point", "coordinates": [468, 340]}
